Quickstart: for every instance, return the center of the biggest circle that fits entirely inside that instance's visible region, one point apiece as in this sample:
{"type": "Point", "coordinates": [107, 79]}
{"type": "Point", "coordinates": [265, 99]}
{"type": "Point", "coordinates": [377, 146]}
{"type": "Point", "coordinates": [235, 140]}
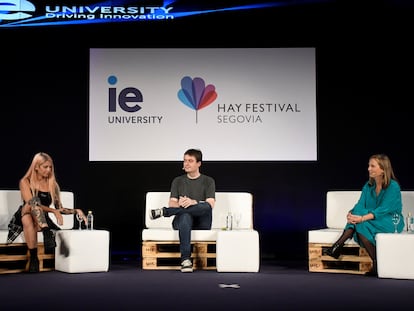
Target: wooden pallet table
{"type": "Point", "coordinates": [165, 255]}
{"type": "Point", "coordinates": [353, 259]}
{"type": "Point", "coordinates": [14, 258]}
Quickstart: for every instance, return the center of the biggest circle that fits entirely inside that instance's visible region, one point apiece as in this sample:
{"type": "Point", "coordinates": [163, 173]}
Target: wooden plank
{"type": "Point", "coordinates": [353, 260]}
{"type": "Point", "coordinates": [157, 263]}
{"type": "Point", "coordinates": [171, 249]}
{"type": "Point", "coordinates": [14, 258]}
{"type": "Point", "coordinates": [165, 255]}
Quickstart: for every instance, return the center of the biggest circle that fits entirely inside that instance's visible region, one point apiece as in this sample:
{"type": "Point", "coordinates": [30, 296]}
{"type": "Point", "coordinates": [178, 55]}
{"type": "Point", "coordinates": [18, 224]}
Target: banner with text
{"type": "Point", "coordinates": [235, 104]}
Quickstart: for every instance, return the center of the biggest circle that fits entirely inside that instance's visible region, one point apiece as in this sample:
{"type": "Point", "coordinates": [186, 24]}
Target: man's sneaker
{"type": "Point", "coordinates": [156, 213]}
{"type": "Point", "coordinates": [186, 266]}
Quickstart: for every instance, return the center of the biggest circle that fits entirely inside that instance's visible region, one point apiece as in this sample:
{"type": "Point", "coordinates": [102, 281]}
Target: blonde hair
{"type": "Point", "coordinates": [385, 164]}
{"type": "Point", "coordinates": [31, 176]}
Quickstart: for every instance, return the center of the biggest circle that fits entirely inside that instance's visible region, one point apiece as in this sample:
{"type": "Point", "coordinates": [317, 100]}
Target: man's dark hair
{"type": "Point", "coordinates": [196, 153]}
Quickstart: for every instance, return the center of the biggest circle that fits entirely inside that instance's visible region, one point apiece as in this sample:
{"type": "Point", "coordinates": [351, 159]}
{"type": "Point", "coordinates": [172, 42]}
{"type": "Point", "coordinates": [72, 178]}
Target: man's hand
{"type": "Point", "coordinates": [186, 202]}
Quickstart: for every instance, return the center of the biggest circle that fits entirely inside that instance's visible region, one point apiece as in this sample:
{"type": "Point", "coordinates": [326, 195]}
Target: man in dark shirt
{"type": "Point", "coordinates": [191, 201]}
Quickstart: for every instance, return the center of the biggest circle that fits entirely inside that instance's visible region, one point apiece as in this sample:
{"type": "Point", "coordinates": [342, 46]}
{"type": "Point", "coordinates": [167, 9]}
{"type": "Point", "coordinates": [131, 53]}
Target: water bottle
{"type": "Point", "coordinates": [90, 220]}
{"type": "Point", "coordinates": [229, 221]}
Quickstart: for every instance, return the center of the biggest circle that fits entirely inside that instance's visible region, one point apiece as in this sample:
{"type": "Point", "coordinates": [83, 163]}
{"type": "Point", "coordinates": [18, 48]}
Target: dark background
{"type": "Point", "coordinates": [365, 68]}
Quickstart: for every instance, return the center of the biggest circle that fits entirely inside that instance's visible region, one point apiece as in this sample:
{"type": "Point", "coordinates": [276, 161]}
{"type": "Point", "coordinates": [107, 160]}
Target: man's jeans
{"type": "Point", "coordinates": [196, 217]}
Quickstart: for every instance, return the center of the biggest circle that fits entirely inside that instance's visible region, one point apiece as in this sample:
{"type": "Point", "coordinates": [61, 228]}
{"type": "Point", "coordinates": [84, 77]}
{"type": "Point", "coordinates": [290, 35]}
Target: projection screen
{"type": "Point", "coordinates": [235, 104]}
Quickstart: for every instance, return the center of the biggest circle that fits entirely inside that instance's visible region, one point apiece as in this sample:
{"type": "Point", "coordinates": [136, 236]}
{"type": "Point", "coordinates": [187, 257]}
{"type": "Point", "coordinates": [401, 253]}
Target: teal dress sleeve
{"type": "Point", "coordinates": [388, 201]}
{"type": "Point", "coordinates": [382, 206]}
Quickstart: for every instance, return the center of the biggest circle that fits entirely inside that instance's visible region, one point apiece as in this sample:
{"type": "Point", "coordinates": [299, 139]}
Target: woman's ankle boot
{"type": "Point", "coordinates": [34, 261]}
{"type": "Point", "coordinates": [334, 251]}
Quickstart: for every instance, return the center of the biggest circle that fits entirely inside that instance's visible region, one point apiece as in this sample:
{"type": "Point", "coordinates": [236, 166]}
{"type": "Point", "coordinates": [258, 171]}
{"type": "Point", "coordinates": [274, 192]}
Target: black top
{"type": "Point", "coordinates": [198, 189]}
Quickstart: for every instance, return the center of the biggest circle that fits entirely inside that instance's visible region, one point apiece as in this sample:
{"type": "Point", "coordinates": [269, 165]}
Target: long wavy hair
{"type": "Point", "coordinates": [385, 164]}
{"type": "Point", "coordinates": [32, 176]}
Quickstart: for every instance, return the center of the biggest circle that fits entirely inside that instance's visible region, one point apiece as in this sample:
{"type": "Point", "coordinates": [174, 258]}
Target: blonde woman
{"type": "Point", "coordinates": [39, 190]}
{"type": "Point", "coordinates": [373, 213]}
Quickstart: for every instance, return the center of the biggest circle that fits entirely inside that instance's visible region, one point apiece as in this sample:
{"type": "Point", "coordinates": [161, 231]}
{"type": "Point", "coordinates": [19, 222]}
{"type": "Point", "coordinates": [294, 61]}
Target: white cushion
{"type": "Point", "coordinates": [82, 251]}
{"type": "Point", "coordinates": [395, 255]}
{"type": "Point", "coordinates": [165, 234]}
{"type": "Point", "coordinates": [338, 204]}
{"type": "Point", "coordinates": [238, 251]}
{"type": "Point", "coordinates": [10, 200]}
{"type": "Point", "coordinates": [327, 235]}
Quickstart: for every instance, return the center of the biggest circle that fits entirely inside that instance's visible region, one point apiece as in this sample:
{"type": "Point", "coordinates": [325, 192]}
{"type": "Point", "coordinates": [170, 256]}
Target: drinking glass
{"type": "Point", "coordinates": [80, 219]}
{"type": "Point", "coordinates": [395, 221]}
{"type": "Point", "coordinates": [237, 219]}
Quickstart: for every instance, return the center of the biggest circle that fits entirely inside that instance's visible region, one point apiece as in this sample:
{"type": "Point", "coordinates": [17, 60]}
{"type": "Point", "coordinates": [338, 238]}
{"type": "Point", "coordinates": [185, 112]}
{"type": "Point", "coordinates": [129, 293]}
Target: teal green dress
{"type": "Point", "coordinates": [382, 206]}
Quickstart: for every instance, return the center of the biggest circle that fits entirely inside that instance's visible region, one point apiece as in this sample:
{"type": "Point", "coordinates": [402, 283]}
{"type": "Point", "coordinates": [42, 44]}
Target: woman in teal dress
{"type": "Point", "coordinates": [373, 213]}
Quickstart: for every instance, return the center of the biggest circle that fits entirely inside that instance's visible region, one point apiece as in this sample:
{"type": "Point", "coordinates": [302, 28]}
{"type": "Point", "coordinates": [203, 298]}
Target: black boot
{"type": "Point", "coordinates": [49, 241]}
{"type": "Point", "coordinates": [34, 261]}
{"type": "Point", "coordinates": [372, 252]}
{"type": "Point", "coordinates": [334, 251]}
{"type": "Point", "coordinates": [373, 272]}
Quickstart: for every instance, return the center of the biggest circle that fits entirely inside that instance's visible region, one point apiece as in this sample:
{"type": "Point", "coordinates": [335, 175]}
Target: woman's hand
{"type": "Point", "coordinates": [354, 219]}
{"type": "Point", "coordinates": [80, 212]}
